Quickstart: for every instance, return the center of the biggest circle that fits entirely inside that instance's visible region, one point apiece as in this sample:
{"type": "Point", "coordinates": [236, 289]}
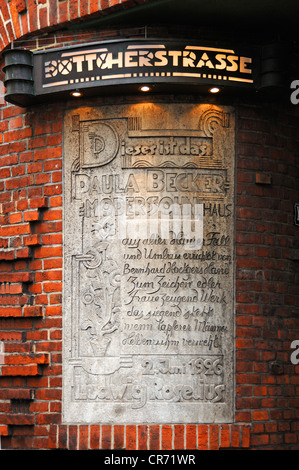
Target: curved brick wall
{"type": "Point", "coordinates": [21, 17]}
{"type": "Point", "coordinates": [267, 405]}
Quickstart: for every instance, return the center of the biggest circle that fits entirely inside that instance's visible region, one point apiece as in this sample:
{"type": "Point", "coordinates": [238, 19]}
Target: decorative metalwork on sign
{"type": "Point", "coordinates": [138, 61]}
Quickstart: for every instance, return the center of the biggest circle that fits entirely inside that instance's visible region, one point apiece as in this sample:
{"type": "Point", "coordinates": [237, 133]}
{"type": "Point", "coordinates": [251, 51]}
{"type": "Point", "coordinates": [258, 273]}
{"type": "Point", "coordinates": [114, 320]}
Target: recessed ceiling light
{"type": "Point", "coordinates": [76, 93]}
{"type": "Point", "coordinates": [214, 89]}
{"type": "Point", "coordinates": [144, 88]}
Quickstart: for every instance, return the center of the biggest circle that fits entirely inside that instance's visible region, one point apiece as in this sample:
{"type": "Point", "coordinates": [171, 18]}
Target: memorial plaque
{"type": "Point", "coordinates": [148, 317]}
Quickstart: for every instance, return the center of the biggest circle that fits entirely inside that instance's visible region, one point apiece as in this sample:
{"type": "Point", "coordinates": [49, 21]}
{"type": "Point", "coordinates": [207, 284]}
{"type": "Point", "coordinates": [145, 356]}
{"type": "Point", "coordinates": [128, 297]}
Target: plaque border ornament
{"type": "Point", "coordinates": [122, 362]}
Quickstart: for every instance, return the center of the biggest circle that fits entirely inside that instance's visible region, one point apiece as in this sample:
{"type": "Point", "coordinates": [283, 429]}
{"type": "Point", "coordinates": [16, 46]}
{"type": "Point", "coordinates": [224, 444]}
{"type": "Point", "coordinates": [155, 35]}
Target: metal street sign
{"type": "Point", "coordinates": [122, 62]}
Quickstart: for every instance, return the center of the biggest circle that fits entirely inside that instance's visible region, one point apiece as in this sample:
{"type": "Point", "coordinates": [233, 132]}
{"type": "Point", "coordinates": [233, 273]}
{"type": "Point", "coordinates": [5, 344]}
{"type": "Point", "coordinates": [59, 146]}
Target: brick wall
{"type": "Point", "coordinates": [267, 296]}
{"type": "Point", "coordinates": [22, 18]}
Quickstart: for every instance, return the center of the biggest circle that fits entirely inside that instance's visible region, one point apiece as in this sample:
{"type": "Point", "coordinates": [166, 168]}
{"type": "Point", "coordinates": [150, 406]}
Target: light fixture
{"type": "Point", "coordinates": [144, 88]}
{"type": "Point", "coordinates": [76, 93]}
{"type": "Point", "coordinates": [214, 89]}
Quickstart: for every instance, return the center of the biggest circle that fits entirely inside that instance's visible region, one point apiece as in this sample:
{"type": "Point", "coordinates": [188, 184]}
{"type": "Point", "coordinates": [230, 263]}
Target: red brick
{"type": "Point", "coordinates": [32, 239]}
{"type": "Point", "coordinates": [3, 242]}
{"type": "Point", "coordinates": [106, 437]}
{"type": "Point", "coordinates": [50, 165]}
{"type": "Point", "coordinates": [10, 336]}
{"type": "Point", "coordinates": [23, 253]}
{"type": "Point", "coordinates": [94, 6]}
{"type": "Point", "coordinates": [130, 437]}
{"type": "Point", "coordinates": [48, 227]}
{"type": "Point", "coordinates": [32, 13]}
{"type": "Point", "coordinates": [53, 190]}
{"type": "Point", "coordinates": [245, 430]}
{"type": "Point", "coordinates": [6, 208]}
{"type": "Point", "coordinates": [21, 229]}
{"type": "Point", "coordinates": [203, 437]}
{"type": "Point", "coordinates": [260, 415]}
{"type": "Point", "coordinates": [17, 394]}
{"type": "Point", "coordinates": [53, 140]}
{"type": "Point", "coordinates": [154, 437]}
{"type": "Point", "coordinates": [83, 437]}
{"type": "Point", "coordinates": [47, 252]}
{"type": "Point", "coordinates": [213, 437]}
{"type": "Point", "coordinates": [9, 288]}
{"type": "Point", "coordinates": [62, 437]}
{"type": "Point", "coordinates": [73, 437]}
{"type": "Point", "coordinates": [23, 370]}
{"type": "Point", "coordinates": [53, 12]}
{"type": "Point", "coordinates": [73, 10]}
{"type": "Point", "coordinates": [47, 153]}
{"type": "Point", "coordinates": [30, 216]}
{"type": "Point", "coordinates": [3, 430]}
{"type": "Point", "coordinates": [52, 286]}
{"type": "Point", "coordinates": [53, 239]}
{"type": "Point", "coordinates": [19, 170]}
{"type": "Point", "coordinates": [235, 436]}
{"type": "Point", "coordinates": [225, 436]}
{"type": "Point", "coordinates": [56, 201]}
{"type": "Point", "coordinates": [142, 437]}
{"type": "Point", "coordinates": [179, 436]}
{"type": "Point", "coordinates": [7, 255]}
{"type": "Point", "coordinates": [42, 179]}
{"type": "Point", "coordinates": [15, 20]}
{"type": "Point", "coordinates": [27, 359]}
{"type": "Point", "coordinates": [53, 214]}
{"type": "Point", "coordinates": [22, 205]}
{"type": "Point", "coordinates": [54, 263]}
{"type": "Point", "coordinates": [13, 136]}
{"type": "Point", "coordinates": [119, 436]}
{"type": "Point", "coordinates": [48, 394]}
{"type": "Point", "coordinates": [48, 276]}
{"type": "Point", "coordinates": [5, 173]}
{"type": "Point", "coordinates": [10, 312]}
{"type": "Point", "coordinates": [19, 419]}
{"type": "Point", "coordinates": [8, 160]}
{"type": "Point", "coordinates": [94, 437]}
{"type": "Point", "coordinates": [21, 6]}
{"type": "Point", "coordinates": [63, 11]}
{"type": "Point", "coordinates": [33, 311]}
{"type": "Point", "coordinates": [39, 202]}
{"type": "Point", "coordinates": [258, 440]}
{"type": "Point", "coordinates": [166, 437]}
{"type": "Point", "coordinates": [191, 439]}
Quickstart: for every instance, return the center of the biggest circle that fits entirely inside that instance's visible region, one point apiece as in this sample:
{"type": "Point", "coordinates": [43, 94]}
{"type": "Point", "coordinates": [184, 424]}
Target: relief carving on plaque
{"type": "Point", "coordinates": [149, 264]}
